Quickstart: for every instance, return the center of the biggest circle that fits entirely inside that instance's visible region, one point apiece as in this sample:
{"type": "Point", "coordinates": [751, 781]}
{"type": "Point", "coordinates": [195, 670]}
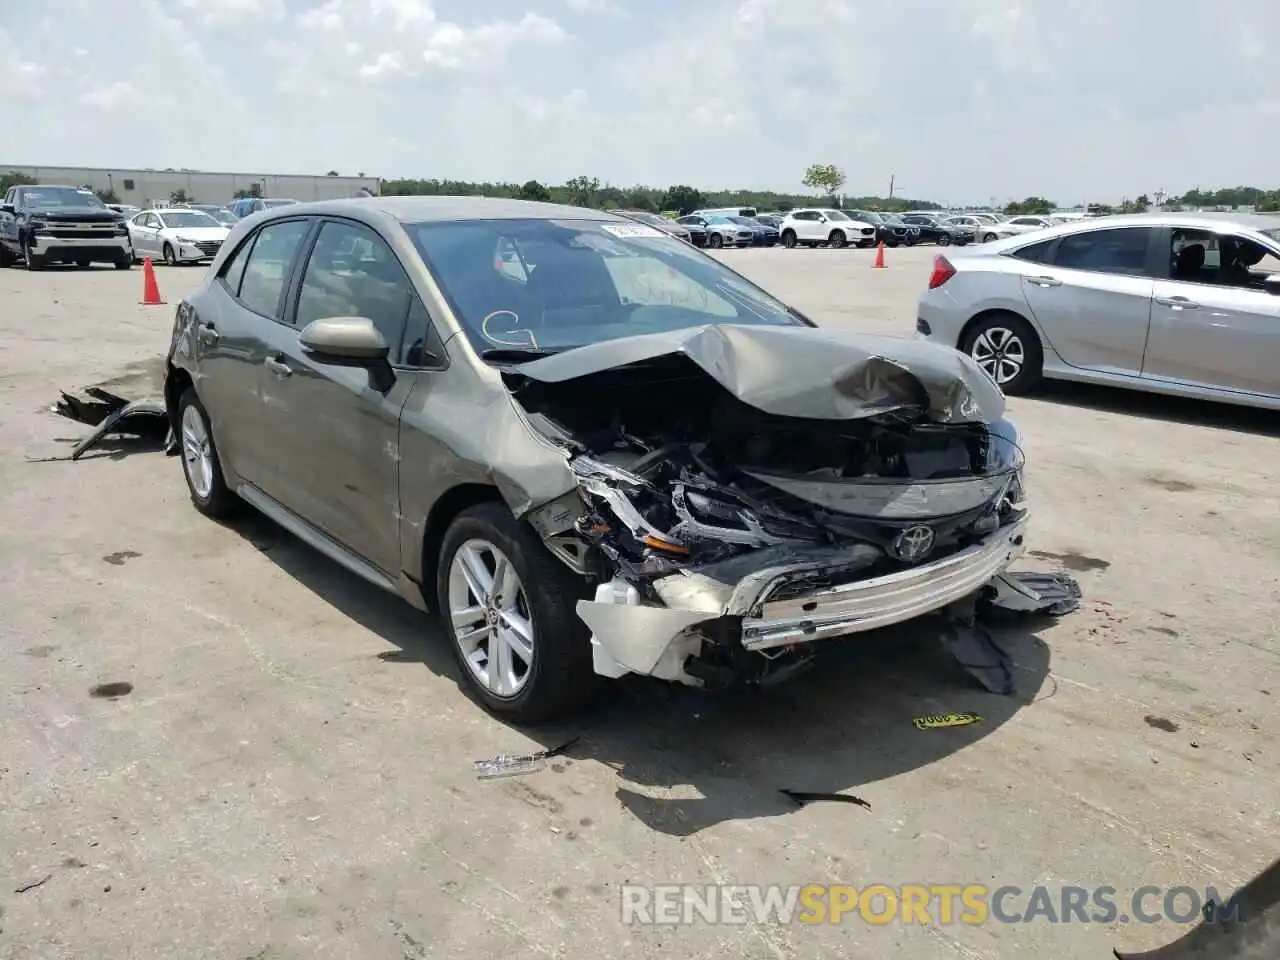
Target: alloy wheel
{"type": "Point", "coordinates": [491, 618]}
{"type": "Point", "coordinates": [1000, 352]}
{"type": "Point", "coordinates": [197, 452]}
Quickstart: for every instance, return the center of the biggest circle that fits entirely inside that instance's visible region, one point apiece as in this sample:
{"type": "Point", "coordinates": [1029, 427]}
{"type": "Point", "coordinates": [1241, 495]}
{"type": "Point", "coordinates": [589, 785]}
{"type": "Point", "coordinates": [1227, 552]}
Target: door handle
{"type": "Point", "coordinates": [279, 367]}
{"type": "Point", "coordinates": [1178, 303]}
{"type": "Point", "coordinates": [1045, 281]}
{"type": "Point", "coordinates": [208, 335]}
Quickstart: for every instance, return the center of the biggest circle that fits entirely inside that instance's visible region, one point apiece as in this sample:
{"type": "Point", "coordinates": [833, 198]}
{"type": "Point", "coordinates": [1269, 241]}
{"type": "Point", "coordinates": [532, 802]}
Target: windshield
{"type": "Point", "coordinates": [1271, 232]}
{"type": "Point", "coordinates": [278, 203]}
{"type": "Point", "coordinates": [558, 284]}
{"type": "Point", "coordinates": [189, 218]}
{"type": "Point", "coordinates": [745, 221]}
{"type": "Point", "coordinates": [866, 216]}
{"type": "Point", "coordinates": [836, 215]}
{"type": "Point", "coordinates": [60, 197]}
{"type": "Point", "coordinates": [645, 217]}
{"type": "Point", "coordinates": [221, 214]}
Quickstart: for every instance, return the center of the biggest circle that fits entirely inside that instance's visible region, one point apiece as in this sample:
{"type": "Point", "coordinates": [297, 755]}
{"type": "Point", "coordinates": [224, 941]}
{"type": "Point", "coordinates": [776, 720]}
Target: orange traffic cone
{"type": "Point", "coordinates": [150, 289]}
{"type": "Point", "coordinates": [879, 264]}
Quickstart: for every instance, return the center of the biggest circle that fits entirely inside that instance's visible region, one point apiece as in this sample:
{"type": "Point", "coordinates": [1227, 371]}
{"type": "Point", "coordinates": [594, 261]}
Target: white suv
{"type": "Point", "coordinates": [814, 225]}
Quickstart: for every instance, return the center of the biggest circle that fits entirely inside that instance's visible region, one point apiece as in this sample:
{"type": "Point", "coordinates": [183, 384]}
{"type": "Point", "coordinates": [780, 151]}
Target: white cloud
{"type": "Point", "coordinates": [961, 101]}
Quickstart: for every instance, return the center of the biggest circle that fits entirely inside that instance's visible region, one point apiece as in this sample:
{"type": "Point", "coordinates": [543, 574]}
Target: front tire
{"type": "Point", "coordinates": [836, 239]}
{"type": "Point", "coordinates": [125, 264]}
{"type": "Point", "coordinates": [716, 241]}
{"type": "Point", "coordinates": [32, 261]}
{"type": "Point", "coordinates": [789, 239]}
{"type": "Point", "coordinates": [1008, 349]}
{"type": "Point", "coordinates": [508, 606]}
{"type": "Point", "coordinates": [200, 462]}
{"type": "Point", "coordinates": [170, 257]}
{"type": "Point", "coordinates": [989, 238]}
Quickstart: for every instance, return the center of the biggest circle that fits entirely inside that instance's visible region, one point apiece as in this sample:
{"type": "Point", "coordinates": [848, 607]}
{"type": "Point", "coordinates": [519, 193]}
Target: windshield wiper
{"type": "Point", "coordinates": [515, 354]}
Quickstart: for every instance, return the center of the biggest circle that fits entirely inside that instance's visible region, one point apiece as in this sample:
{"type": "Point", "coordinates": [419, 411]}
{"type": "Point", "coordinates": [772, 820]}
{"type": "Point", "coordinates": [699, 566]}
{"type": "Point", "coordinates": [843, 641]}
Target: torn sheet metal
{"type": "Point", "coordinates": [1056, 594]}
{"type": "Point", "coordinates": [1247, 927]}
{"type": "Point", "coordinates": [804, 372]}
{"type": "Point", "coordinates": [508, 765]}
{"type": "Point", "coordinates": [91, 412]}
{"type": "Point", "coordinates": [977, 651]}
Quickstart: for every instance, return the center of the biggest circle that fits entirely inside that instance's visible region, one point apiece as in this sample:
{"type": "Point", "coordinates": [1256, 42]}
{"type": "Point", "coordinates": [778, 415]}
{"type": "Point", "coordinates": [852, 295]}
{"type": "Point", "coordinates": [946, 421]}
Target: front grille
{"type": "Point", "coordinates": [209, 247]}
{"type": "Point", "coordinates": [78, 233]}
{"type": "Point", "coordinates": [868, 231]}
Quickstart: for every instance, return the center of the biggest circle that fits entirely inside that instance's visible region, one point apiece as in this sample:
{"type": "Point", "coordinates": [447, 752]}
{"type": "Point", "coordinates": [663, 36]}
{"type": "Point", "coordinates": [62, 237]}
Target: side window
{"type": "Point", "coordinates": [353, 273]}
{"type": "Point", "coordinates": [267, 271]}
{"type": "Point", "coordinates": [233, 272]}
{"type": "Point", "coordinates": [1202, 256]}
{"type": "Point", "coordinates": [1036, 252]}
{"type": "Point", "coordinates": [1122, 250]}
{"type": "Point", "coordinates": [648, 282]}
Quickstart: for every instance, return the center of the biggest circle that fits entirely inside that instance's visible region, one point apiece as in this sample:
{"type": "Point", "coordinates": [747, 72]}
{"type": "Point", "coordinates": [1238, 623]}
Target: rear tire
{"type": "Point", "coordinates": [125, 264]}
{"type": "Point", "coordinates": [560, 675]}
{"type": "Point", "coordinates": [1007, 347]}
{"type": "Point", "coordinates": [6, 258]}
{"type": "Point", "coordinates": [201, 465]}
{"type": "Point", "coordinates": [944, 240]}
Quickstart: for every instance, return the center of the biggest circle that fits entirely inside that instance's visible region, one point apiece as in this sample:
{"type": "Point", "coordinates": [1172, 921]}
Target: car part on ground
{"type": "Point", "coordinates": [109, 414]}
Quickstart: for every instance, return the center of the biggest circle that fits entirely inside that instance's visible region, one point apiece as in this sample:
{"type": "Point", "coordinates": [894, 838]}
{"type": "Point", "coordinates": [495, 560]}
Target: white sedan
{"type": "Point", "coordinates": [176, 236]}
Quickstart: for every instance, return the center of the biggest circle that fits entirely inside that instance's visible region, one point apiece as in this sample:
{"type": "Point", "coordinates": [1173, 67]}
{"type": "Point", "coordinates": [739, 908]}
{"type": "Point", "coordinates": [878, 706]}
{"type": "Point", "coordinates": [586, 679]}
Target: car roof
{"type": "Point", "coordinates": [1191, 221]}
{"type": "Point", "coordinates": [442, 209]}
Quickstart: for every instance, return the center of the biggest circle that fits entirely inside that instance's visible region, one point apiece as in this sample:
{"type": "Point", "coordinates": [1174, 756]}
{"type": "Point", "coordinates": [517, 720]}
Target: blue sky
{"type": "Point", "coordinates": [962, 100]}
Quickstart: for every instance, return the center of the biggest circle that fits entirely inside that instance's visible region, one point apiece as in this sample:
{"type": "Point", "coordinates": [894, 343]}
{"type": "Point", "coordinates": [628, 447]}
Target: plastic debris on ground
{"type": "Point", "coordinates": [802, 799]}
{"type": "Point", "coordinates": [509, 765]}
{"type": "Point", "coordinates": [108, 414]}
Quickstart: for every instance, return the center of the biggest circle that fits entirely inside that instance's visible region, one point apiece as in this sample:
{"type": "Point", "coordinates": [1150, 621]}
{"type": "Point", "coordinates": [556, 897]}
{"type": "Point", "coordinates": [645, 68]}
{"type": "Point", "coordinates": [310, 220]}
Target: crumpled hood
{"type": "Point", "coordinates": [804, 372]}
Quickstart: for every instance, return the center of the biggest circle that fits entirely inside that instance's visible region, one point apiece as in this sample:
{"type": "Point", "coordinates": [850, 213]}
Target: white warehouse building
{"type": "Point", "coordinates": [145, 188]}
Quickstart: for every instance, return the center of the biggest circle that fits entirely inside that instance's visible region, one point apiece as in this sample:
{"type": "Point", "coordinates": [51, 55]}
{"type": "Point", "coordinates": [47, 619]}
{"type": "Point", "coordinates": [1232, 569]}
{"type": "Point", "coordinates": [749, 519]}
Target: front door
{"type": "Point", "coordinates": [146, 230]}
{"type": "Point", "coordinates": [338, 460]}
{"type": "Point", "coordinates": [1213, 322]}
{"type": "Point", "coordinates": [1094, 301]}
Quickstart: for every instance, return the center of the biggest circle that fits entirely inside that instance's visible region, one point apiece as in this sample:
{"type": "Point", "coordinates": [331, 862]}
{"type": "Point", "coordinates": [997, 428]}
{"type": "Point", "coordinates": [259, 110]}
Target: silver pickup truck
{"type": "Point", "coordinates": [47, 224]}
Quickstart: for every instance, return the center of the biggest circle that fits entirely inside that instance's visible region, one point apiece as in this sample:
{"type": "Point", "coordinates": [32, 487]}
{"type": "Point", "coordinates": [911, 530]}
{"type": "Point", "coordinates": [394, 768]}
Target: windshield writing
{"type": "Point", "coordinates": [555, 285]}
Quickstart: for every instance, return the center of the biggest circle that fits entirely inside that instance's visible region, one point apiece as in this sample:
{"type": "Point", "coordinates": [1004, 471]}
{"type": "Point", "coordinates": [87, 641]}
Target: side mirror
{"type": "Point", "coordinates": [1272, 284]}
{"type": "Point", "coordinates": [6, 208]}
{"type": "Point", "coordinates": [350, 342]}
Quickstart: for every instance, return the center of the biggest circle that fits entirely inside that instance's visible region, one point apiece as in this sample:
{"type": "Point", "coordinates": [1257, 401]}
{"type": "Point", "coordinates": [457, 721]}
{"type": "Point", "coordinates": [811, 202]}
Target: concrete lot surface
{"type": "Point", "coordinates": [290, 775]}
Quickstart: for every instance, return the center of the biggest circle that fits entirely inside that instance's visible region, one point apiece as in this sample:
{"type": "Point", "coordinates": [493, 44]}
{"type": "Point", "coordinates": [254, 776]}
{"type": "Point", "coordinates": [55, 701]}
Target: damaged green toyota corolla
{"type": "Point", "coordinates": [592, 448]}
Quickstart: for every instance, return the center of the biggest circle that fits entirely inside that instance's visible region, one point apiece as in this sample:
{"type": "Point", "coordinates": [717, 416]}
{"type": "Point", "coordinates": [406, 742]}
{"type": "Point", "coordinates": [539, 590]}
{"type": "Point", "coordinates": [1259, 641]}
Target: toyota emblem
{"type": "Point", "coordinates": [913, 543]}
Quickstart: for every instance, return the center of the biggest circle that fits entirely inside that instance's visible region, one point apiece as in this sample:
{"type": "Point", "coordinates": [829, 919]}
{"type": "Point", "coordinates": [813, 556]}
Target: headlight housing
{"type": "Point", "coordinates": [39, 225]}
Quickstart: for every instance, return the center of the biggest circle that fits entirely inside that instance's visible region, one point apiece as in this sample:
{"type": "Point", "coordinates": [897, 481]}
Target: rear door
{"type": "Point", "coordinates": [338, 453]}
{"type": "Point", "coordinates": [1212, 325]}
{"type": "Point", "coordinates": [1093, 300]}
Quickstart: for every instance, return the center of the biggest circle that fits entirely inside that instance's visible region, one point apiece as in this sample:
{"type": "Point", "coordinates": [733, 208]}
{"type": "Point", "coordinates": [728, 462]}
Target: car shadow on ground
{"type": "Point", "coordinates": [1156, 406]}
{"type": "Point", "coordinates": [687, 760]}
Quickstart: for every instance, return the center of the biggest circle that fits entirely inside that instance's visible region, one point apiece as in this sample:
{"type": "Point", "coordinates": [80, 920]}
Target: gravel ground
{"type": "Point", "coordinates": [290, 774]}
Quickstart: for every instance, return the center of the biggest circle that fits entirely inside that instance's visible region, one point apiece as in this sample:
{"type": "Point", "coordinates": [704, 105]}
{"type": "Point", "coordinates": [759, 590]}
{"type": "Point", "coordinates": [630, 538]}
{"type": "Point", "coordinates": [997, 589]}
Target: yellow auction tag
{"type": "Point", "coordinates": [946, 720]}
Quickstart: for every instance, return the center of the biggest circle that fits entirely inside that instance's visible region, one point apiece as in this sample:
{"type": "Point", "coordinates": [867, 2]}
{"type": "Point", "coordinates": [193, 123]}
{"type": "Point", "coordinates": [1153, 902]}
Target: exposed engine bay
{"type": "Point", "coordinates": [677, 473]}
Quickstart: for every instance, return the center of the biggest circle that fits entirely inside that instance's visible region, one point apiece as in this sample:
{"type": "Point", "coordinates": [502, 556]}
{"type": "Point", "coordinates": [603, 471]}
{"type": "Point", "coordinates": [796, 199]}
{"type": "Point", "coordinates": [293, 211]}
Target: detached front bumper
{"type": "Point", "coordinates": [629, 636]}
{"type": "Point", "coordinates": [109, 247]}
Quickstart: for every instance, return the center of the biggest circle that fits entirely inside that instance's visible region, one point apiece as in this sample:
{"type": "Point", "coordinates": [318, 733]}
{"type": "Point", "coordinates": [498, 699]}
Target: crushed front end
{"type": "Point", "coordinates": [725, 542]}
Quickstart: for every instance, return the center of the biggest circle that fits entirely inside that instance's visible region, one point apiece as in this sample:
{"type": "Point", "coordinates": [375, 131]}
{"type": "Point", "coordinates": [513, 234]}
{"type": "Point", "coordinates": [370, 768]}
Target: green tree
{"type": "Point", "coordinates": [1032, 206]}
{"type": "Point", "coordinates": [582, 190]}
{"type": "Point", "coordinates": [15, 179]}
{"type": "Point", "coordinates": [179, 196]}
{"type": "Point", "coordinates": [826, 177]}
{"type": "Point", "coordinates": [333, 173]}
{"type": "Point", "coordinates": [254, 190]}
{"type": "Point", "coordinates": [107, 196]}
{"type": "Point", "coordinates": [533, 190]}
{"type": "Point", "coordinates": [683, 198]}
{"type": "Point", "coordinates": [640, 200]}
